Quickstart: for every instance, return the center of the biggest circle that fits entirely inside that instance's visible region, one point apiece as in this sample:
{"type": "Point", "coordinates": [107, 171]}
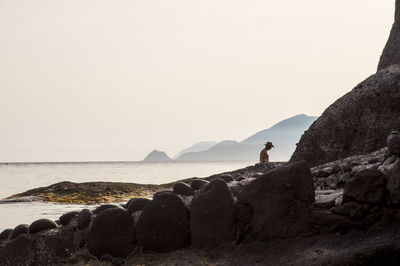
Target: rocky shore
{"type": "Point", "coordinates": [263, 214]}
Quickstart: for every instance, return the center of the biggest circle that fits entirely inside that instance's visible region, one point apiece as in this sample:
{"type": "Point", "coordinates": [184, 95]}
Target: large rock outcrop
{"type": "Point", "coordinates": [357, 123]}
{"type": "Point", "coordinates": [280, 201]}
{"type": "Point", "coordinates": [391, 52]}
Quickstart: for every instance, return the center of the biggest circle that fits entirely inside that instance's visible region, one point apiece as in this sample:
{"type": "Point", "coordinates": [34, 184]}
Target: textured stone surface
{"type": "Point", "coordinates": [103, 207]}
{"type": "Point", "coordinates": [5, 234]}
{"type": "Point", "coordinates": [40, 225]}
{"type": "Point", "coordinates": [367, 186]}
{"type": "Point", "coordinates": [66, 217]}
{"type": "Point", "coordinates": [212, 217]}
{"type": "Point", "coordinates": [183, 189]}
{"type": "Point", "coordinates": [112, 232]}
{"type": "Point", "coordinates": [84, 217]}
{"type": "Point", "coordinates": [391, 52]}
{"type": "Point", "coordinates": [164, 224]}
{"type": "Point", "coordinates": [20, 230]}
{"type": "Point", "coordinates": [357, 123]}
{"type": "Point", "coordinates": [393, 185]}
{"type": "Point", "coordinates": [280, 201]}
{"type": "Point", "coordinates": [198, 183]}
{"type": "Point", "coordinates": [136, 204]}
{"type": "Point", "coordinates": [393, 143]}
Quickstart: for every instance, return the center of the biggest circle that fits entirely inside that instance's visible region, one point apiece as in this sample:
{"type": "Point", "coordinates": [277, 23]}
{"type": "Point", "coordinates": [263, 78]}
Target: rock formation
{"type": "Point", "coordinates": [157, 156]}
{"type": "Point", "coordinates": [391, 52]}
{"type": "Point", "coordinates": [357, 123]}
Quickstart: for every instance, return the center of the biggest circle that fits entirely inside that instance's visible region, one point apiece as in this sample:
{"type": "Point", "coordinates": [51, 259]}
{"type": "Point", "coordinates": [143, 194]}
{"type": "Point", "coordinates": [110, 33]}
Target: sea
{"type": "Point", "coordinates": [19, 177]}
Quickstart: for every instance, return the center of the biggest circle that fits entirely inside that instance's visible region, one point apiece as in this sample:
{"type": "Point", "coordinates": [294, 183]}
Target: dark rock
{"type": "Point", "coordinates": [342, 210]}
{"type": "Point", "coordinates": [325, 172]}
{"type": "Point", "coordinates": [393, 185]}
{"type": "Point", "coordinates": [336, 169]}
{"type": "Point", "coordinates": [52, 247]}
{"type": "Point", "coordinates": [235, 188]}
{"type": "Point", "coordinates": [226, 177]}
{"type": "Point", "coordinates": [66, 217]}
{"type": "Point", "coordinates": [280, 201]}
{"type": "Point", "coordinates": [327, 222]}
{"type": "Point", "coordinates": [84, 217]}
{"type": "Point", "coordinates": [367, 186]}
{"type": "Point", "coordinates": [391, 54]}
{"type": "Point", "coordinates": [40, 225]}
{"type": "Point", "coordinates": [103, 208]}
{"type": "Point", "coordinates": [183, 189]}
{"type": "Point", "coordinates": [357, 123]}
{"type": "Point", "coordinates": [137, 204]}
{"type": "Point", "coordinates": [5, 234]}
{"type": "Point", "coordinates": [393, 143]}
{"type": "Point", "coordinates": [112, 232]}
{"type": "Point", "coordinates": [198, 183]}
{"type": "Point", "coordinates": [19, 230]}
{"type": "Point", "coordinates": [212, 217]}
{"type": "Point", "coordinates": [164, 224]}
{"type": "Point", "coordinates": [18, 251]}
{"type": "Point", "coordinates": [163, 192]}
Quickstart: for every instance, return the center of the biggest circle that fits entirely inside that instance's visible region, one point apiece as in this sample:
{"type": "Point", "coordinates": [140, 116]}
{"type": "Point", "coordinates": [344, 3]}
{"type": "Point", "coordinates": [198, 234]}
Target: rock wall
{"type": "Point", "coordinates": [391, 52]}
{"type": "Point", "coordinates": [357, 123]}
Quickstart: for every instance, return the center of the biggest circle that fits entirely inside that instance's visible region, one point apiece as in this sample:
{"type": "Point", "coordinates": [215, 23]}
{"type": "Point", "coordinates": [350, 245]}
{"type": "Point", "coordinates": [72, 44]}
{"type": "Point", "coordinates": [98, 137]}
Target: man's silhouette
{"type": "Point", "coordinates": [264, 157]}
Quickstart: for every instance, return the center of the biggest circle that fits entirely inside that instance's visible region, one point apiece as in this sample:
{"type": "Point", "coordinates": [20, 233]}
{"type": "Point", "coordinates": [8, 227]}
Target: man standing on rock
{"type": "Point", "coordinates": [264, 157]}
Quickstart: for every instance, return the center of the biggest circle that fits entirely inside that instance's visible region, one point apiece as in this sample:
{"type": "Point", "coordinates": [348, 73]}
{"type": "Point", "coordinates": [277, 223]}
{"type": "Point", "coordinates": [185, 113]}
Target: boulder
{"type": "Point", "coordinates": [136, 204]}
{"type": "Point", "coordinates": [393, 185]}
{"type": "Point", "coordinates": [84, 217]}
{"type": "Point", "coordinates": [112, 232]}
{"type": "Point", "coordinates": [103, 208]}
{"type": "Point", "coordinates": [198, 183]}
{"type": "Point", "coordinates": [20, 230]}
{"type": "Point", "coordinates": [212, 217]}
{"type": "Point", "coordinates": [357, 123]}
{"type": "Point", "coordinates": [367, 186]}
{"type": "Point", "coordinates": [183, 189]}
{"type": "Point", "coordinates": [40, 225]}
{"type": "Point", "coordinates": [391, 52]}
{"type": "Point", "coordinates": [393, 143]}
{"type": "Point", "coordinates": [280, 201]}
{"type": "Point", "coordinates": [226, 177]}
{"type": "Point", "coordinates": [5, 234]}
{"type": "Point", "coordinates": [66, 217]}
{"type": "Point", "coordinates": [164, 224]}
{"type": "Point", "coordinates": [18, 252]}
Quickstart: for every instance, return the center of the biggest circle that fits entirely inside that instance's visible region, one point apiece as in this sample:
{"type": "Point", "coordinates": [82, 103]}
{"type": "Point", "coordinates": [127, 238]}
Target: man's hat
{"type": "Point", "coordinates": [269, 144]}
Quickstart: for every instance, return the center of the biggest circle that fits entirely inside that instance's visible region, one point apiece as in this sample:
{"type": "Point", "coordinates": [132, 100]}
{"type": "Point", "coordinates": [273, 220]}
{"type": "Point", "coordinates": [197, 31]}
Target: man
{"type": "Point", "coordinates": [264, 157]}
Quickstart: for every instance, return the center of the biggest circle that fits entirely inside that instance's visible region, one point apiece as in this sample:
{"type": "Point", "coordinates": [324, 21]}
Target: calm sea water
{"type": "Point", "coordinates": [16, 178]}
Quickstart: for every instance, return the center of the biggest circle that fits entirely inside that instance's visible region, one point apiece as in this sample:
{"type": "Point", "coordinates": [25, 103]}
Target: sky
{"type": "Point", "coordinates": [102, 80]}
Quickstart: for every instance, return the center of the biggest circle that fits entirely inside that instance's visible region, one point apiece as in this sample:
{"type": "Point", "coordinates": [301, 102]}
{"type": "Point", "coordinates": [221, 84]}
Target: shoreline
{"type": "Point", "coordinates": [111, 192]}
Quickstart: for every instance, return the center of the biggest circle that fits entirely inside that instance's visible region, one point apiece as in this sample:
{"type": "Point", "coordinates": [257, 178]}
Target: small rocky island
{"type": "Point", "coordinates": [157, 156]}
{"type": "Point", "coordinates": [337, 202]}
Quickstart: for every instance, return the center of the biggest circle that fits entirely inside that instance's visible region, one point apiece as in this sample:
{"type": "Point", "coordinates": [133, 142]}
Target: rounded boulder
{"type": "Point", "coordinates": [66, 217]}
{"type": "Point", "coordinates": [136, 204]}
{"type": "Point", "coordinates": [104, 207]}
{"type": "Point", "coordinates": [84, 217]}
{"type": "Point", "coordinates": [198, 184]}
{"type": "Point", "coordinates": [40, 225]}
{"type": "Point", "coordinates": [212, 217]}
{"type": "Point", "coordinates": [112, 232]}
{"type": "Point", "coordinates": [19, 230]}
{"type": "Point", "coordinates": [164, 224]}
{"type": "Point", "coordinates": [183, 189]}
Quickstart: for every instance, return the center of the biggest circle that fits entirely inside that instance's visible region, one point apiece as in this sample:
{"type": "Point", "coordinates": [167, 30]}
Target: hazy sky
{"type": "Point", "coordinates": [113, 80]}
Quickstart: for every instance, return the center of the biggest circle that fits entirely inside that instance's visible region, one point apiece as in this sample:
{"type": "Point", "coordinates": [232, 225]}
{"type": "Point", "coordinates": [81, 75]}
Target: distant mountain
{"type": "Point", "coordinates": [199, 146]}
{"type": "Point", "coordinates": [284, 135]}
{"type": "Point", "coordinates": [157, 156]}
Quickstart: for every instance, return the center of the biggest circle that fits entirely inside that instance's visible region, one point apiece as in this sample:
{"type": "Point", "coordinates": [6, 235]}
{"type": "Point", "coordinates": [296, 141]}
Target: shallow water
{"type": "Point", "coordinates": [17, 178]}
